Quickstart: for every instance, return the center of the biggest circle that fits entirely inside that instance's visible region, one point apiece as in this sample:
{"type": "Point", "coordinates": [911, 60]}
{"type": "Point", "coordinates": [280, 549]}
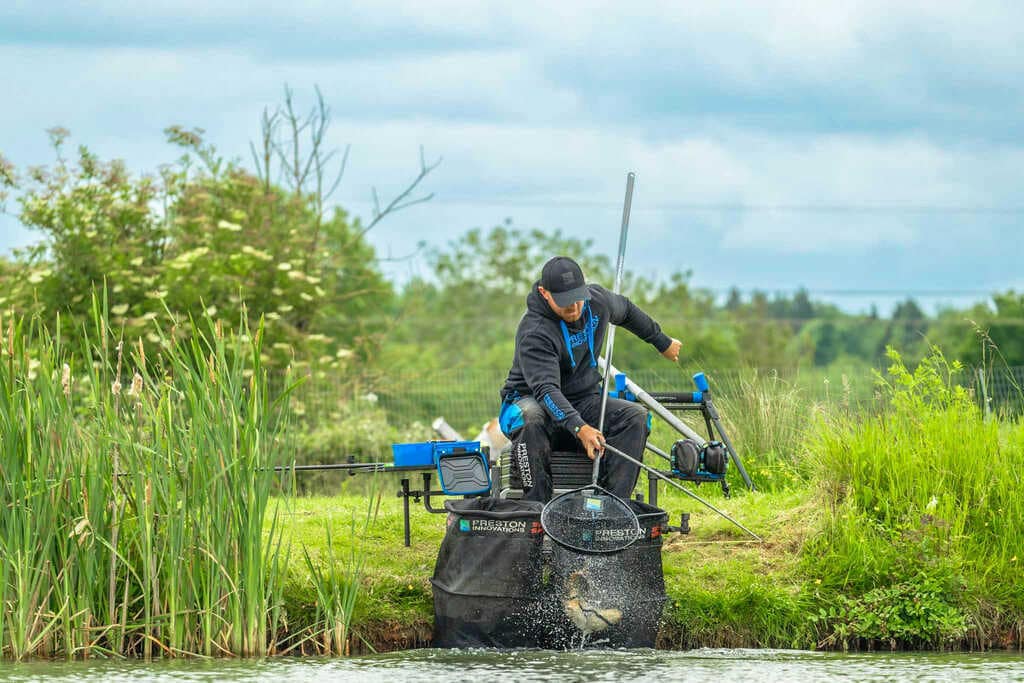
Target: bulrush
{"type": "Point", "coordinates": [65, 380]}
{"type": "Point", "coordinates": [162, 548]}
{"type": "Point", "coordinates": [135, 391]}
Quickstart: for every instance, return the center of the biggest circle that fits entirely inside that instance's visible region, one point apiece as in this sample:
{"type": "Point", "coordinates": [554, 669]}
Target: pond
{"type": "Point", "coordinates": [534, 665]}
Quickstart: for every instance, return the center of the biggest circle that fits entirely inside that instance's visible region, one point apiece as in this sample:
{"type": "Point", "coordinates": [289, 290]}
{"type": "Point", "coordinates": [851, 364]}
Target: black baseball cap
{"type": "Point", "coordinates": [564, 279]}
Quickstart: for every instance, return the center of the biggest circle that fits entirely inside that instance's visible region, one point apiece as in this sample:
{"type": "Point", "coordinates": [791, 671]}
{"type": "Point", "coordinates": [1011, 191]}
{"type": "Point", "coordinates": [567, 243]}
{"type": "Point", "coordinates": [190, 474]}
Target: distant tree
{"type": "Point", "coordinates": [734, 301]}
{"type": "Point", "coordinates": [802, 307]}
{"type": "Point", "coordinates": [207, 236]}
{"type": "Point", "coordinates": [906, 330]}
{"type": "Point", "coordinates": [827, 343]}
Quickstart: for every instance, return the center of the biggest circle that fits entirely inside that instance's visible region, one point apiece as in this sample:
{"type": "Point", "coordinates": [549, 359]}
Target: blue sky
{"type": "Point", "coordinates": [843, 147]}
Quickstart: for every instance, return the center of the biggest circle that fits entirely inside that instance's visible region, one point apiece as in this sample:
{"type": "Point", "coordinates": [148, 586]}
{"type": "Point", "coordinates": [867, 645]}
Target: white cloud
{"type": "Point", "coordinates": [539, 110]}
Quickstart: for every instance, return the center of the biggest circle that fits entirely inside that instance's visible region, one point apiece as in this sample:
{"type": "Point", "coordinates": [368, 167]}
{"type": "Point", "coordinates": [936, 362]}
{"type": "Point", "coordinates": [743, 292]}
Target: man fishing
{"type": "Point", "coordinates": [553, 390]}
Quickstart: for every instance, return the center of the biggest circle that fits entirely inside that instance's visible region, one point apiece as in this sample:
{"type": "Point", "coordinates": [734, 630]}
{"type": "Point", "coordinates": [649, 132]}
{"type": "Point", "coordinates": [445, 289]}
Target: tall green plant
{"type": "Point", "coordinates": [337, 580]}
{"type": "Point", "coordinates": [134, 492]}
{"type": "Point", "coordinates": [924, 494]}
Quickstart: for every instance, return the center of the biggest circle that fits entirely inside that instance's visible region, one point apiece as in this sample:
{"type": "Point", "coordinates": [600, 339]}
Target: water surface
{"type": "Point", "coordinates": [530, 665]}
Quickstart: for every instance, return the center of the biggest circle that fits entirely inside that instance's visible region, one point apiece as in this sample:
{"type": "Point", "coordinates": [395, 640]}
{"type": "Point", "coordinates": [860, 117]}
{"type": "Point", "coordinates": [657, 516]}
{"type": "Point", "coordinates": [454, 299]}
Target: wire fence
{"type": "Point", "coordinates": [467, 399]}
{"type": "Point", "coordinates": [1000, 391]}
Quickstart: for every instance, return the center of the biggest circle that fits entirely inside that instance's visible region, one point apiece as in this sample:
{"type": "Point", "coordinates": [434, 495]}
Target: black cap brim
{"type": "Point", "coordinates": [570, 297]}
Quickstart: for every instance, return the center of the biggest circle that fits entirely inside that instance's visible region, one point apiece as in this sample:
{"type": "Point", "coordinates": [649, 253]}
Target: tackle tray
{"type": "Point", "coordinates": [464, 474]}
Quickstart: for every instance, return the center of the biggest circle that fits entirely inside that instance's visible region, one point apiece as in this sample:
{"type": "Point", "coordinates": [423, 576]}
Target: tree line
{"type": "Point", "coordinates": [212, 237]}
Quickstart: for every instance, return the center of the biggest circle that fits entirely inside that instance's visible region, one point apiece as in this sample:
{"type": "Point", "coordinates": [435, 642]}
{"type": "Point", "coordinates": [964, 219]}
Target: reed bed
{"type": "Point", "coordinates": [133, 493]}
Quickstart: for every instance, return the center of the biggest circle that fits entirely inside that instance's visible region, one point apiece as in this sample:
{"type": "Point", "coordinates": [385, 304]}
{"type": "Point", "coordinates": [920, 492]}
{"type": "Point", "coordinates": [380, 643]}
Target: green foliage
{"type": "Point", "coordinates": [919, 499]}
{"type": "Point", "coordinates": [768, 418]}
{"type": "Point", "coordinates": [135, 492]}
{"type": "Point", "coordinates": [337, 582]}
{"type": "Point", "coordinates": [359, 427]}
{"type": "Point", "coordinates": [916, 613]}
{"type": "Point", "coordinates": [201, 239]}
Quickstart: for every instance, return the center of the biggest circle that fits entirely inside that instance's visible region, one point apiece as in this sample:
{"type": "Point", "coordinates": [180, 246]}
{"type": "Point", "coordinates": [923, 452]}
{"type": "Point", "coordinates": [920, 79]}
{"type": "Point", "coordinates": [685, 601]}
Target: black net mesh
{"type": "Point", "coordinates": [590, 520]}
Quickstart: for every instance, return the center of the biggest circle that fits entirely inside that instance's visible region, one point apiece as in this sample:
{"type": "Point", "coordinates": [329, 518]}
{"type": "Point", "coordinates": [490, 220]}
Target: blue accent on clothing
{"type": "Point", "coordinates": [553, 407]}
{"type": "Point", "coordinates": [510, 419]}
{"type": "Point", "coordinates": [568, 344]}
{"type": "Point", "coordinates": [590, 327]}
{"type": "Point", "coordinates": [584, 336]}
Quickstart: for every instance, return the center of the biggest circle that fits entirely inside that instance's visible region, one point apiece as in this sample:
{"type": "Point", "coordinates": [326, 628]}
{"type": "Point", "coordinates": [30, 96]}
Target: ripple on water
{"type": "Point", "coordinates": [534, 665]}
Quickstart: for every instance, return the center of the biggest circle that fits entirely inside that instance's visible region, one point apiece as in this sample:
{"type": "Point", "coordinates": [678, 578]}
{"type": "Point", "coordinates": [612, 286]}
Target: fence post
{"type": "Point", "coordinates": [984, 394]}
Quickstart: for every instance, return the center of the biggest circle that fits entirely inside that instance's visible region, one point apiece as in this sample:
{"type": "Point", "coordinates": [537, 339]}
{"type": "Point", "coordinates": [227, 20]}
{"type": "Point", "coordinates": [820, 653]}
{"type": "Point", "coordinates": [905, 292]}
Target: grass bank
{"type": "Point", "coordinates": [140, 516]}
{"type": "Point", "coordinates": [898, 528]}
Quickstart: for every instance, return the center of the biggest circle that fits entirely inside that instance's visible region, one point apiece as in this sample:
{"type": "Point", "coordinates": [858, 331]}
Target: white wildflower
{"type": "Point", "coordinates": [38, 276]}
{"type": "Point", "coordinates": [284, 265]}
{"type": "Point", "coordinates": [120, 309]}
{"type": "Point", "coordinates": [230, 227]}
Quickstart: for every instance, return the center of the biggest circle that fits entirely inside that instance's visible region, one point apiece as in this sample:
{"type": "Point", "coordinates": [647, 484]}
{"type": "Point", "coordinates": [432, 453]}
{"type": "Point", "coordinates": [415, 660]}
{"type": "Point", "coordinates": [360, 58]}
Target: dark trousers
{"type": "Point", "coordinates": [625, 427]}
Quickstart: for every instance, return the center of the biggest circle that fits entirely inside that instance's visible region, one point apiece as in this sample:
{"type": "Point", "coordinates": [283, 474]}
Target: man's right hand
{"type": "Point", "coordinates": [592, 440]}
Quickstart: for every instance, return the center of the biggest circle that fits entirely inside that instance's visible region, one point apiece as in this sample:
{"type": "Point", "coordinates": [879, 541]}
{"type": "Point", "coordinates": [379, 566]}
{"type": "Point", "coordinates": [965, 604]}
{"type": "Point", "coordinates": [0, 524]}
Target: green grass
{"type": "Point", "coordinates": [716, 577]}
{"type": "Point", "coordinates": [897, 528]}
{"type": "Point", "coordinates": [134, 494]}
{"type": "Point", "coordinates": [139, 515]}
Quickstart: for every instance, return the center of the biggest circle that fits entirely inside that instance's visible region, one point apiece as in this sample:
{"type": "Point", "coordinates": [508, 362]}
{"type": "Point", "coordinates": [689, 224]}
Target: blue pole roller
{"type": "Point", "coordinates": [700, 381]}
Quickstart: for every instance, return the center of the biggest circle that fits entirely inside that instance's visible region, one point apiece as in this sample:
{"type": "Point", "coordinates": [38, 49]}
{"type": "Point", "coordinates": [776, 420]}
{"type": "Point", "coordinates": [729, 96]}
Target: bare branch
{"type": "Point", "coordinates": [402, 200]}
{"type": "Point", "coordinates": [268, 131]}
{"type": "Point", "coordinates": [341, 172]}
{"type": "Point", "coordinates": [396, 259]}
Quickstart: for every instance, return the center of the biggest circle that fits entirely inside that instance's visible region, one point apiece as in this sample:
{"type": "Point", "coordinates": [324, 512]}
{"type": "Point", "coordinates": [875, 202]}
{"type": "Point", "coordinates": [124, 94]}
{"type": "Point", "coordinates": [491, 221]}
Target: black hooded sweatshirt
{"type": "Point", "coordinates": [556, 362]}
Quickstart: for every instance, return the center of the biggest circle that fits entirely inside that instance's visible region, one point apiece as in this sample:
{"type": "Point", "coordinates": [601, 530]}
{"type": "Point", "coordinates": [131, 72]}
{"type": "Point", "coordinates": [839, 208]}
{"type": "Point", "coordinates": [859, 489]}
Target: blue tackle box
{"type": "Point", "coordinates": [461, 466]}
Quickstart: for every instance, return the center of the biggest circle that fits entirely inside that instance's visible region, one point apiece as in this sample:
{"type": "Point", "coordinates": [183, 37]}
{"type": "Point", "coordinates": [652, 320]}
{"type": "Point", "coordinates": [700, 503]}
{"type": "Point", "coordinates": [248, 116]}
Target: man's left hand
{"type": "Point", "coordinates": [672, 352]}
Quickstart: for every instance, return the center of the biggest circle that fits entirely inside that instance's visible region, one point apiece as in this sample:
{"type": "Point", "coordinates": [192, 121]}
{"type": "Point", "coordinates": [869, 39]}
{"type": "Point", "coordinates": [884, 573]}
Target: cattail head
{"type": "Point", "coordinates": [115, 387]}
{"type": "Point", "coordinates": [135, 391]}
{"type": "Point", "coordinates": [65, 380]}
